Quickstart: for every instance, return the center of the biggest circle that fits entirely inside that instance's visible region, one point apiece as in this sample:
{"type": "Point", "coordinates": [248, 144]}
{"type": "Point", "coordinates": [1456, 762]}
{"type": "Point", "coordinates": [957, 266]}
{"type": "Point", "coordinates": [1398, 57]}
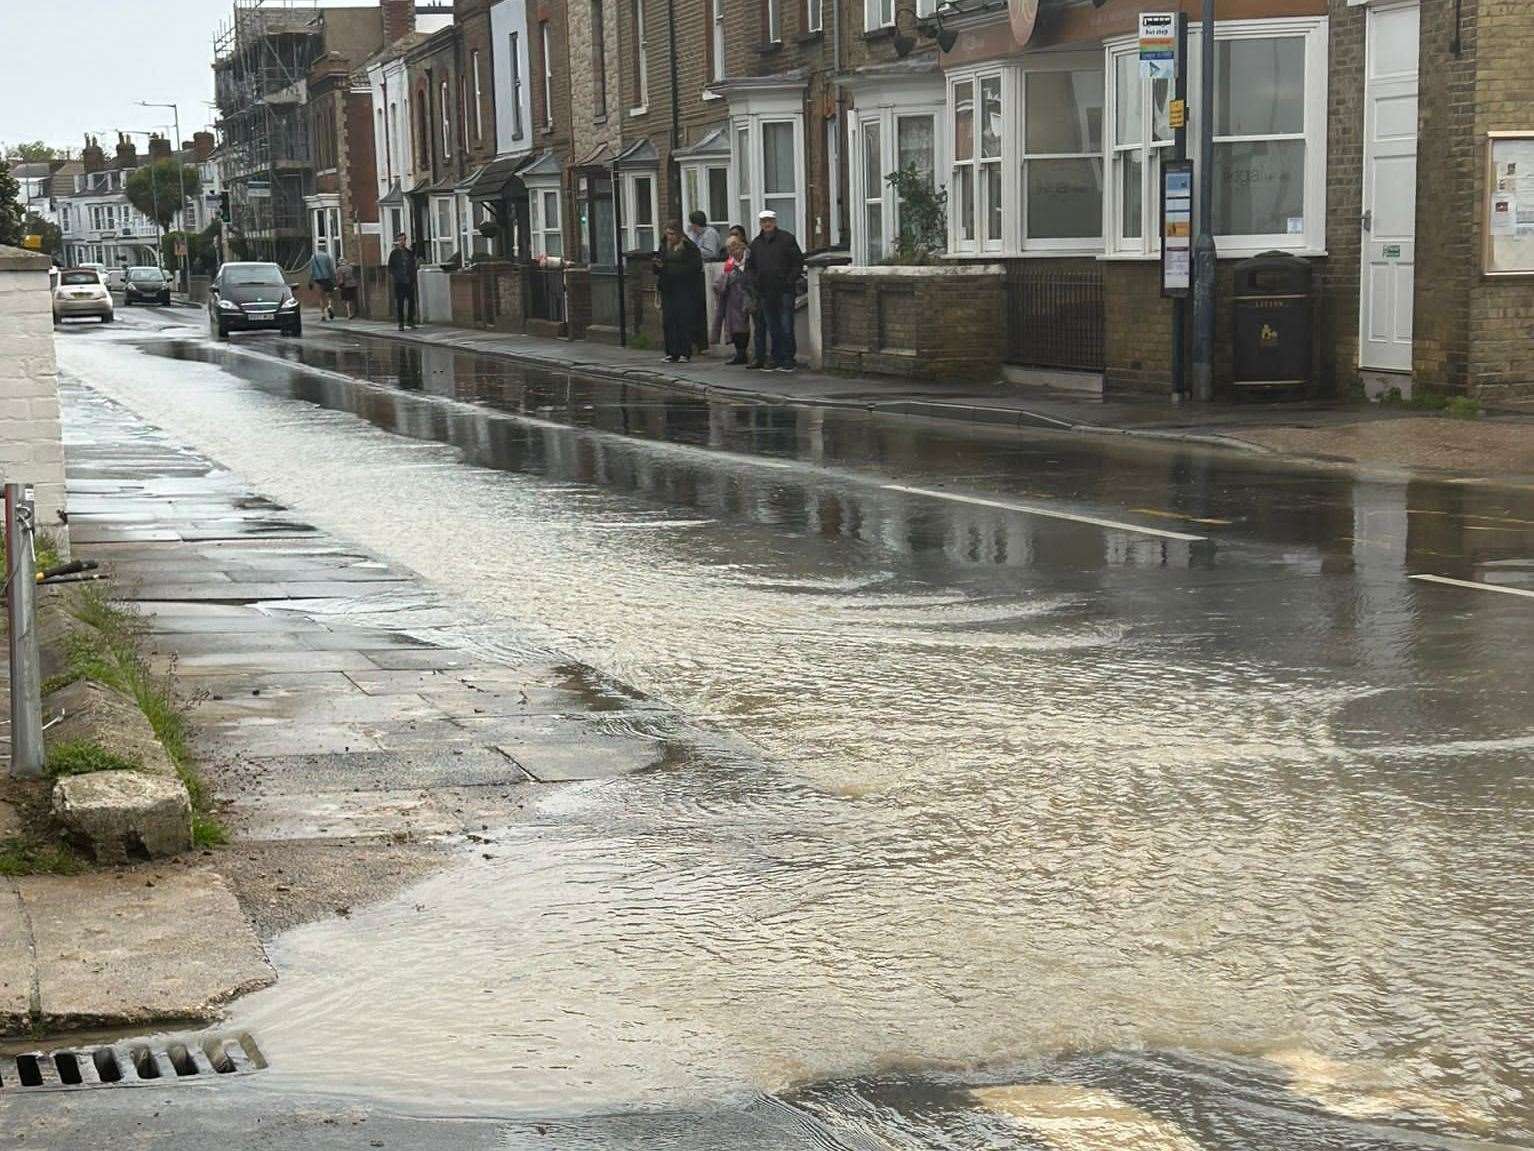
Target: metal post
{"type": "Point", "coordinates": [1180, 152]}
{"type": "Point", "coordinates": [1203, 247]}
{"type": "Point", "coordinates": [617, 184]}
{"type": "Point", "coordinates": [26, 679]}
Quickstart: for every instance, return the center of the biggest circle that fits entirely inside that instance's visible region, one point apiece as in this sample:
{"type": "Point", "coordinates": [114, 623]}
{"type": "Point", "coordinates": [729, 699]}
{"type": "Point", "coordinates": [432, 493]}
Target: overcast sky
{"type": "Point", "coordinates": [77, 66]}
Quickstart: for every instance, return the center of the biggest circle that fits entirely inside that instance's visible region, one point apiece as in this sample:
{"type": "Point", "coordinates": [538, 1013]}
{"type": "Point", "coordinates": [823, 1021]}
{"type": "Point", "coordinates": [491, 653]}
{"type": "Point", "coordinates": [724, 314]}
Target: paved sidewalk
{"type": "Point", "coordinates": [358, 730]}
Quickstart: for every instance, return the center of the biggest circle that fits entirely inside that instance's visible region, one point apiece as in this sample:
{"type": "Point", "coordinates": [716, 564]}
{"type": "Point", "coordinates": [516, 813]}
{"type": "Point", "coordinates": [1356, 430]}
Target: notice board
{"type": "Point", "coordinates": [1509, 209]}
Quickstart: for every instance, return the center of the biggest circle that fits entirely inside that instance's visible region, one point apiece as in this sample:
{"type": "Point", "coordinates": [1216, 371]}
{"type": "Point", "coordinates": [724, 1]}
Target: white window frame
{"type": "Point", "coordinates": [1018, 130]}
{"type": "Point", "coordinates": [631, 201]}
{"type": "Point", "coordinates": [750, 169]}
{"type": "Point", "coordinates": [514, 62]}
{"type": "Point", "coordinates": [814, 16]}
{"type": "Point", "coordinates": [696, 179]}
{"type": "Point", "coordinates": [774, 21]}
{"type": "Point", "coordinates": [479, 102]}
{"type": "Point", "coordinates": [717, 32]}
{"type": "Point", "coordinates": [325, 229]}
{"type": "Point", "coordinates": [447, 123]}
{"type": "Point", "coordinates": [1312, 240]}
{"type": "Point", "coordinates": [641, 60]}
{"type": "Point", "coordinates": [444, 240]}
{"type": "Point", "coordinates": [1007, 159]}
{"type": "Point", "coordinates": [878, 14]}
{"type": "Point", "coordinates": [548, 77]}
{"type": "Point", "coordinates": [540, 196]}
{"type": "Point", "coordinates": [866, 188]}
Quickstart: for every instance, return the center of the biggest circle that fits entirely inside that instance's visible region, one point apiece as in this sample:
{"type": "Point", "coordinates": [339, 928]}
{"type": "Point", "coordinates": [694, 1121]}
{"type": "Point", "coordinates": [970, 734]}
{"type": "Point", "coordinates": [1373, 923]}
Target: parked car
{"type": "Point", "coordinates": [252, 296]}
{"type": "Point", "coordinates": [82, 292]}
{"type": "Point", "coordinates": [146, 284]}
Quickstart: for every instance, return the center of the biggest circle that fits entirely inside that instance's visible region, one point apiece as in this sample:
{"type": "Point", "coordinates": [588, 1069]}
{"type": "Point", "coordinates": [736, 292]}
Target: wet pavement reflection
{"type": "Point", "coordinates": [1040, 829]}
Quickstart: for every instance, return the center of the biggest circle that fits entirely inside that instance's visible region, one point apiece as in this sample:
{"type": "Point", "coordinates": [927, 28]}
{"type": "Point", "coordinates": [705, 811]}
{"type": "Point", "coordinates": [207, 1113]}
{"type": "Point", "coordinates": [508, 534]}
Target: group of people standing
{"type": "Point", "coordinates": [753, 293]}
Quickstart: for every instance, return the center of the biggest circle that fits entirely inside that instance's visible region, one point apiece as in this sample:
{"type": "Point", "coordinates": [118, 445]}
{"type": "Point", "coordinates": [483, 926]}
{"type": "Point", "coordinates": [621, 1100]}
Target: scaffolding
{"type": "Point", "coordinates": [261, 59]}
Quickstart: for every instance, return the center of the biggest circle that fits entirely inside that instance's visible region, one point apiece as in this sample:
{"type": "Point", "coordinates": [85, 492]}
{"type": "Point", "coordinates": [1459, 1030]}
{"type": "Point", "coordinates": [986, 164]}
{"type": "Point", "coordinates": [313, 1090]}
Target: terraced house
{"type": "Point", "coordinates": [556, 138]}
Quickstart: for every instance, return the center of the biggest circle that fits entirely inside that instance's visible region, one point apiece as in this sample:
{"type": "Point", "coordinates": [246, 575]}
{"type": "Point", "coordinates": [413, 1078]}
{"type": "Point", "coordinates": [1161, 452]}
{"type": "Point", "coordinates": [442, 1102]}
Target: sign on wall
{"type": "Point", "coordinates": [1158, 45]}
{"type": "Point", "coordinates": [1509, 215]}
{"type": "Point", "coordinates": [1177, 227]}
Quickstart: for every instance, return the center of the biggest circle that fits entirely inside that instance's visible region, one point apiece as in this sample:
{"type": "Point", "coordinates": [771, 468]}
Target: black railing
{"type": "Point", "coordinates": [546, 294]}
{"type": "Point", "coordinates": [1054, 316]}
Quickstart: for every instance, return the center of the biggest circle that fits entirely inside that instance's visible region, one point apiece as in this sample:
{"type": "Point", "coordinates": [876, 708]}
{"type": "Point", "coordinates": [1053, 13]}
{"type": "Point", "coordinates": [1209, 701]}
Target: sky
{"type": "Point", "coordinates": [77, 66]}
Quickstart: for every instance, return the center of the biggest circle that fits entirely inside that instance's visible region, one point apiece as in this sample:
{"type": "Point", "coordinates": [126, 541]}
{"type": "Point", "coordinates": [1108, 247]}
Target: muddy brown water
{"type": "Point", "coordinates": [1232, 834]}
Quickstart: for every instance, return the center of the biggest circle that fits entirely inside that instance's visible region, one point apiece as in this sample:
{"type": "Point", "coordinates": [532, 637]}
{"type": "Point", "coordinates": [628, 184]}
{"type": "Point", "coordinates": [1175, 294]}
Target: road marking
{"type": "Point", "coordinates": [1205, 520]}
{"type": "Point", "coordinates": [1049, 513]}
{"type": "Point", "coordinates": [1475, 585]}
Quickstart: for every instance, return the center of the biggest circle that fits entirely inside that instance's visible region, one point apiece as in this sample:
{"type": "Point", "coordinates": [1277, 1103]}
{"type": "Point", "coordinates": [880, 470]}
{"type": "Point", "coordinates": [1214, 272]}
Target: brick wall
{"type": "Point", "coordinates": [1338, 277]}
{"type": "Point", "coordinates": [920, 323]}
{"type": "Point", "coordinates": [31, 448]}
{"type": "Point", "coordinates": [1448, 261]}
{"type": "Point", "coordinates": [359, 183]}
{"type": "Point", "coordinates": [1501, 309]}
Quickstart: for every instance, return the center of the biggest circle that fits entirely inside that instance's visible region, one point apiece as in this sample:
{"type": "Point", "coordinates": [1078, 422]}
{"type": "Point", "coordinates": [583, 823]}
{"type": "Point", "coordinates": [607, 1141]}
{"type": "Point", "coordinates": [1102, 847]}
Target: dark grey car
{"type": "Point", "coordinates": [246, 297]}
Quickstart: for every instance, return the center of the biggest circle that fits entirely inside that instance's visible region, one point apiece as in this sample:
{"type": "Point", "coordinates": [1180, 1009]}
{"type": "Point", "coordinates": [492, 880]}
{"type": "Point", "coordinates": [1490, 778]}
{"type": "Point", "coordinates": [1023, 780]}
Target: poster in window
{"type": "Point", "coordinates": [1509, 208]}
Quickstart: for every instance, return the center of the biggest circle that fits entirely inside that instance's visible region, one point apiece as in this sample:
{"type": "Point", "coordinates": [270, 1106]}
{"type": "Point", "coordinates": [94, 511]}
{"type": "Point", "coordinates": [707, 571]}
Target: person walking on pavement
{"type": "Point", "coordinates": [346, 280]}
{"type": "Point", "coordinates": [322, 275]}
{"type": "Point", "coordinates": [679, 280]}
{"type": "Point", "coordinates": [402, 269]}
{"type": "Point", "coordinates": [776, 263]}
{"type": "Point", "coordinates": [734, 301]}
{"type": "Point", "coordinates": [706, 236]}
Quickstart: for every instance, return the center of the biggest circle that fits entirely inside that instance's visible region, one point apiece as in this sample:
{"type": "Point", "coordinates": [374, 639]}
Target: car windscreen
{"type": "Point", "coordinates": [145, 274]}
{"type": "Point", "coordinates": [265, 276]}
{"type": "Point", "coordinates": [79, 278]}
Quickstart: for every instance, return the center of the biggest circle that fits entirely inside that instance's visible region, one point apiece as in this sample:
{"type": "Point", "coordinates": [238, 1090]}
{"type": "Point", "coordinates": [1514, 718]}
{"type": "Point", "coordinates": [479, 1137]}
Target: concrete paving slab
{"type": "Point", "coordinates": [441, 659]}
{"type": "Point", "coordinates": [281, 737]}
{"type": "Point", "coordinates": [16, 968]}
{"type": "Point", "coordinates": [303, 775]}
{"type": "Point", "coordinates": [137, 947]}
{"type": "Point", "coordinates": [409, 814]}
{"type": "Point", "coordinates": [261, 662]}
{"type": "Point", "coordinates": [562, 751]}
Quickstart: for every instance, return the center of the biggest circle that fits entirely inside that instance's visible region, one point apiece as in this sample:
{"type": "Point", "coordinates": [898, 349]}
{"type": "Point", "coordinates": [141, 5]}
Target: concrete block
{"type": "Point", "coordinates": [120, 815]}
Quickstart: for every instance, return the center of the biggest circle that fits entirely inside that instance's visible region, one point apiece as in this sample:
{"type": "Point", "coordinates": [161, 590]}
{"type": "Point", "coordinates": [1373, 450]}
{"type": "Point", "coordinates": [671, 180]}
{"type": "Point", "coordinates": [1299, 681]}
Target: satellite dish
{"type": "Point", "coordinates": [1022, 14]}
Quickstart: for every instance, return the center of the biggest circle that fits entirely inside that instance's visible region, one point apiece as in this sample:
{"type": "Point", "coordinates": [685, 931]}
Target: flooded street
{"type": "Point", "coordinates": [1049, 790]}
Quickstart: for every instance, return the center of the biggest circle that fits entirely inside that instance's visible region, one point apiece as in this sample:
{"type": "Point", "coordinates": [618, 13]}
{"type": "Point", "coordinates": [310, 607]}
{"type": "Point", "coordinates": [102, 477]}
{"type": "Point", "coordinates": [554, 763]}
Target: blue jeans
{"type": "Point", "coordinates": [775, 320]}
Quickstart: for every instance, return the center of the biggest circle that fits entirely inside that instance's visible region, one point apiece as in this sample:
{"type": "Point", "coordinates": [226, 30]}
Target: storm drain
{"type": "Point", "coordinates": [132, 1063]}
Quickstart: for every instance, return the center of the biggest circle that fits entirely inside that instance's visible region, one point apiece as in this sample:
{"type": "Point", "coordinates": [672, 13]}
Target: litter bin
{"type": "Point", "coordinates": [1273, 346]}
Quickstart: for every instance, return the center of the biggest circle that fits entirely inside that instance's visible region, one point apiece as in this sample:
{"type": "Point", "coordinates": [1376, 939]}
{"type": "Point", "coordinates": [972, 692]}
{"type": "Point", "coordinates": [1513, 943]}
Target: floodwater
{"type": "Point", "coordinates": [1018, 829]}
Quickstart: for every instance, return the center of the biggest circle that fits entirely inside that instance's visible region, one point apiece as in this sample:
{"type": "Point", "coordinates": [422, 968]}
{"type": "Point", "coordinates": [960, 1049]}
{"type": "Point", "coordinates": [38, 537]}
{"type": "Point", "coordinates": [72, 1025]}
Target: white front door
{"type": "Point", "coordinates": [1390, 188]}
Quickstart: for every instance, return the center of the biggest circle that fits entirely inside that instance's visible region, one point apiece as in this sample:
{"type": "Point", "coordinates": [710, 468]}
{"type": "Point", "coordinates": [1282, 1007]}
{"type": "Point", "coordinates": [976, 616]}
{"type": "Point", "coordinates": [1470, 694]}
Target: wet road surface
{"type": "Point", "coordinates": [1069, 792]}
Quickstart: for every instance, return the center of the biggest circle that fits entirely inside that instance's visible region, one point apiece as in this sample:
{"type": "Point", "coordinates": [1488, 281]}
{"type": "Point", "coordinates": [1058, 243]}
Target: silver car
{"type": "Point", "coordinates": [81, 292]}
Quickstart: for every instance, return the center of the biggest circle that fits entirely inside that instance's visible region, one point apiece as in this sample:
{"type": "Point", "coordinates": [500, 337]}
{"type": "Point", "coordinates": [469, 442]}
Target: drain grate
{"type": "Point", "coordinates": [132, 1063]}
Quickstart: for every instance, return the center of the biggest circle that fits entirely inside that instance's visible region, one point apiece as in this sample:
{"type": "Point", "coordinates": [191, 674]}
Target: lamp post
{"type": "Point", "coordinates": [183, 263]}
{"type": "Point", "coordinates": [1203, 246]}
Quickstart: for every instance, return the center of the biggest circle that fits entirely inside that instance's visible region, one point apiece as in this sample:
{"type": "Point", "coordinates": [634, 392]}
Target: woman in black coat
{"type": "Point", "coordinates": [679, 280]}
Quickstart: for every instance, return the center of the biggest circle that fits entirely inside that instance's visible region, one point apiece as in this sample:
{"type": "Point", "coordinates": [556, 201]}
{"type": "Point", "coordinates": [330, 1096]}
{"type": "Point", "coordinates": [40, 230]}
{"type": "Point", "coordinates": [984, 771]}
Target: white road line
{"type": "Point", "coordinates": [1475, 584]}
{"type": "Point", "coordinates": [1050, 513]}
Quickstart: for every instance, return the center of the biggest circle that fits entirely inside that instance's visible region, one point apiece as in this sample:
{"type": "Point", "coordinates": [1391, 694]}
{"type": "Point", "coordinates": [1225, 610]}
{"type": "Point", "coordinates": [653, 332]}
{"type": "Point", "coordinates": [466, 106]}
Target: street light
{"type": "Point", "coordinates": [184, 263]}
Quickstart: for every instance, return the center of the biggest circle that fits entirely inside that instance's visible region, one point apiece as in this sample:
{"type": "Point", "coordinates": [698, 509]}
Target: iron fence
{"type": "Point", "coordinates": [1054, 316]}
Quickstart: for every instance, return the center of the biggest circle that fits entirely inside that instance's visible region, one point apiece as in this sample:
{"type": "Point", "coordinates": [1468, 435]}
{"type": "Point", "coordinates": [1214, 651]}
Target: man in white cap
{"type": "Point", "coordinates": [775, 264]}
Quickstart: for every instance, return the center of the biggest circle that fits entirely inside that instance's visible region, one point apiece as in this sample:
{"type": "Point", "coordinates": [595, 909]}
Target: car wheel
{"type": "Point", "coordinates": [219, 331]}
{"type": "Point", "coordinates": [294, 329]}
{"type": "Point", "coordinates": [107, 319]}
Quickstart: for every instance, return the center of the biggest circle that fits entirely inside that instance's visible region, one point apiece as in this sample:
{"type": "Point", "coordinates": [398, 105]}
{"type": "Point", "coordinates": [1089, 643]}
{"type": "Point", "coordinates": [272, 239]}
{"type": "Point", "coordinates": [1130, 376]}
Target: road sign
{"type": "Point", "coordinates": [1158, 45]}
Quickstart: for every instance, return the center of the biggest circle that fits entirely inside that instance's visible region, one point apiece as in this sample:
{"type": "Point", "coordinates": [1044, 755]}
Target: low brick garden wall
{"type": "Point", "coordinates": [922, 323]}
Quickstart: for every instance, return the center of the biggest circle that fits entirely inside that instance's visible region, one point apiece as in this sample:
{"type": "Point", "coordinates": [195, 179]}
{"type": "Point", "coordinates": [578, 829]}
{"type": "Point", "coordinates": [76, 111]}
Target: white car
{"type": "Point", "coordinates": [82, 292]}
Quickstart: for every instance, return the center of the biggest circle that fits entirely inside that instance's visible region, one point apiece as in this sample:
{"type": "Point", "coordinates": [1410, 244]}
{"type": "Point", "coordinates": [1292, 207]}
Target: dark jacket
{"type": "Point", "coordinates": [776, 261]}
{"type": "Point", "coordinates": [680, 269]}
{"type": "Point", "coordinates": [402, 266]}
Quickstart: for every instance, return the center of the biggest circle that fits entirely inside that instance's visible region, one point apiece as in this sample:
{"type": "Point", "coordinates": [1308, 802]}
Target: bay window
{"type": "Point", "coordinates": [1269, 174]}
{"type": "Point", "coordinates": [545, 223]}
{"type": "Point", "coordinates": [990, 112]}
{"type": "Point", "coordinates": [639, 213]}
{"type": "Point", "coordinates": [873, 191]}
{"type": "Point", "coordinates": [706, 189]}
{"type": "Point", "coordinates": [962, 198]}
{"type": "Point", "coordinates": [743, 177]}
{"type": "Point", "coordinates": [444, 229]}
{"type": "Point", "coordinates": [1062, 179]}
{"type": "Point", "coordinates": [780, 178]}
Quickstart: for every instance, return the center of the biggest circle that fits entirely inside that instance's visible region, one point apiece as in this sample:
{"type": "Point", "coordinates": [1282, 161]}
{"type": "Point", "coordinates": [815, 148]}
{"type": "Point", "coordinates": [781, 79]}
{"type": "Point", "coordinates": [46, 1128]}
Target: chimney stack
{"type": "Point", "coordinates": [202, 145]}
{"type": "Point", "coordinates": [92, 158]}
{"type": "Point", "coordinates": [127, 152]}
{"type": "Point", "coordinates": [159, 148]}
{"type": "Point", "coordinates": [398, 19]}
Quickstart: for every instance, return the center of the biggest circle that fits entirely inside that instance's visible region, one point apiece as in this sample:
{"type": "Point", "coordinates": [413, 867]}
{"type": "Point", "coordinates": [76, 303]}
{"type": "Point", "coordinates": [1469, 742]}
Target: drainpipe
{"type": "Point", "coordinates": [623, 335]}
{"type": "Point", "coordinates": [835, 181]}
{"type": "Point", "coordinates": [673, 167]}
{"type": "Point", "coordinates": [1203, 248]}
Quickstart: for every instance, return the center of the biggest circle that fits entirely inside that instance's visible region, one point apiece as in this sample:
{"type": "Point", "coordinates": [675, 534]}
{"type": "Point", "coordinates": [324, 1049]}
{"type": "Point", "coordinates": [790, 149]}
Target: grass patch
{"type": "Point", "coordinates": [45, 545]}
{"type": "Point", "coordinates": [108, 653]}
{"type": "Point", "coordinates": [83, 756]}
{"type": "Point", "coordinates": [1455, 407]}
{"type": "Point", "coordinates": [21, 856]}
{"type": "Point", "coordinates": [1462, 408]}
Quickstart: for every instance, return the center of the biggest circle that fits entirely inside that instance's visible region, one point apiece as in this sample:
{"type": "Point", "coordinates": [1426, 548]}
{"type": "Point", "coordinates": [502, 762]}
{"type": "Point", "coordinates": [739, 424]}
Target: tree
{"type": "Point", "coordinates": [34, 150]}
{"type": "Point", "coordinates": [923, 216]}
{"type": "Point", "coordinates": [155, 189]}
{"type": "Point", "coordinates": [53, 239]}
{"type": "Point", "coordinates": [10, 208]}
